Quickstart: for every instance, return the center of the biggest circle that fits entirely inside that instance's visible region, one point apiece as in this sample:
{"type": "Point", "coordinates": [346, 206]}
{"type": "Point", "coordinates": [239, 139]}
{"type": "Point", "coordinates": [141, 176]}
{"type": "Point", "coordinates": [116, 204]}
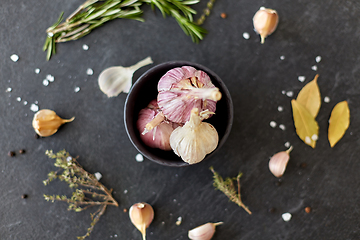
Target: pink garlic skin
{"type": "Point", "coordinates": [161, 137]}
{"type": "Point", "coordinates": [177, 98]}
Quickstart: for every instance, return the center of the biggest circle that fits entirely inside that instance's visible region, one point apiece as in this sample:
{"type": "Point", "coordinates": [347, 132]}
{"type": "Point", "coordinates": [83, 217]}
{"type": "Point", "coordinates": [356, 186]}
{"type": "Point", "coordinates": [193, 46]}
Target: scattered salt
{"type": "Point", "coordinates": [36, 102]}
{"type": "Point", "coordinates": [37, 70]}
{"type": "Point", "coordinates": [287, 144]}
{"type": "Point", "coordinates": [45, 82]}
{"type": "Point", "coordinates": [318, 59]}
{"type": "Point", "coordinates": [307, 140]}
{"type": "Point", "coordinates": [286, 217]}
{"type": "Point", "coordinates": [273, 124]}
{"type": "Point", "coordinates": [50, 34]}
{"type": "Point", "coordinates": [246, 35]}
{"type": "Point", "coordinates": [85, 47]}
{"type": "Point", "coordinates": [280, 108]}
{"type": "Point", "coordinates": [68, 158]}
{"type": "Point", "coordinates": [179, 220]}
{"type": "Point", "coordinates": [25, 102]}
{"type": "Point", "coordinates": [125, 191]}
{"type": "Point", "coordinates": [98, 175]}
{"type": "Point", "coordinates": [9, 89]}
{"type": "Point", "coordinates": [77, 89]}
{"type": "Point", "coordinates": [314, 67]}
{"type": "Point", "coordinates": [326, 99]}
{"type": "Point", "coordinates": [14, 57]}
{"type": "Point", "coordinates": [34, 107]}
{"type": "Point", "coordinates": [301, 78]}
{"type": "Point", "coordinates": [282, 57]}
{"type": "Point", "coordinates": [50, 77]}
{"type": "Point", "coordinates": [115, 235]}
{"type": "Point", "coordinates": [139, 157]}
{"type": "Point", "coordinates": [18, 99]}
{"type": "Point", "coordinates": [314, 137]}
{"type": "Point", "coordinates": [89, 71]}
{"type": "Point", "coordinates": [282, 127]}
{"type": "Point", "coordinates": [289, 94]}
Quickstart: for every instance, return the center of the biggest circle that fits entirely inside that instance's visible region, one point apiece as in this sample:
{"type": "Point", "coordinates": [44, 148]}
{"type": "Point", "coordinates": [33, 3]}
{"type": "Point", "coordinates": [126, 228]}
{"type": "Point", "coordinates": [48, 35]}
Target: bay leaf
{"type": "Point", "coordinates": [309, 97]}
{"type": "Point", "coordinates": [339, 122]}
{"type": "Point", "coordinates": [306, 126]}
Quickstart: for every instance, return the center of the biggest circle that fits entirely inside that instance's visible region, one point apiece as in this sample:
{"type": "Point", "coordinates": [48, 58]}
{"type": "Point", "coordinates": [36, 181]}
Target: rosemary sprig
{"type": "Point", "coordinates": [228, 188]}
{"type": "Point", "coordinates": [90, 192]}
{"type": "Point", "coordinates": [94, 13]}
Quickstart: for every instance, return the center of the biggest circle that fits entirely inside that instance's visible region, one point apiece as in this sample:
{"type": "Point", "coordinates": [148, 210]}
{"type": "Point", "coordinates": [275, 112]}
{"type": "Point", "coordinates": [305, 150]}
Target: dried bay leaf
{"type": "Point", "coordinates": [339, 122]}
{"type": "Point", "coordinates": [310, 98]}
{"type": "Point", "coordinates": [306, 126]}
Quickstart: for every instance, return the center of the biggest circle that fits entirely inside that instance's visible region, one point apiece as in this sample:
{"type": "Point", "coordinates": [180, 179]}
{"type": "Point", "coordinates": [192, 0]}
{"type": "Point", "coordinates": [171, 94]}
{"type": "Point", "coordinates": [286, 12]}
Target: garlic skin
{"type": "Point", "coordinates": [184, 88]}
{"type": "Point", "coordinates": [265, 22]}
{"type": "Point", "coordinates": [278, 162]}
{"type": "Point", "coordinates": [155, 136]}
{"type": "Point", "coordinates": [46, 122]}
{"type": "Point", "coordinates": [195, 139]}
{"type": "Point", "coordinates": [203, 232]}
{"type": "Point", "coordinates": [114, 80]}
{"type": "Point", "coordinates": [141, 215]}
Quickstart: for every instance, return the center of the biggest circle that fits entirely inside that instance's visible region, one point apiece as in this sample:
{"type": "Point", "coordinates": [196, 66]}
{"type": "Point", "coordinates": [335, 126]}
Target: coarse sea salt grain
{"type": "Point", "coordinates": [14, 58]}
{"type": "Point", "coordinates": [287, 144]}
{"type": "Point", "coordinates": [139, 157]}
{"type": "Point", "coordinates": [326, 99]}
{"type": "Point", "coordinates": [286, 216]}
{"type": "Point", "coordinates": [18, 99]}
{"type": "Point", "coordinates": [34, 107]}
{"type": "Point", "coordinates": [282, 127]}
{"type": "Point", "coordinates": [282, 57]}
{"type": "Point", "coordinates": [318, 59]}
{"type": "Point", "coordinates": [37, 70]}
{"type": "Point", "coordinates": [246, 35]}
{"type": "Point", "coordinates": [89, 71]}
{"type": "Point", "coordinates": [98, 175]}
{"type": "Point", "coordinates": [314, 67]}
{"type": "Point", "coordinates": [289, 94]}
{"type": "Point", "coordinates": [301, 78]}
{"type": "Point", "coordinates": [9, 89]}
{"type": "Point", "coordinates": [280, 108]}
{"type": "Point", "coordinates": [308, 140]}
{"type": "Point", "coordinates": [314, 137]}
{"type": "Point", "coordinates": [68, 158]}
{"type": "Point", "coordinates": [45, 82]}
{"type": "Point", "coordinates": [25, 102]}
{"type": "Point", "coordinates": [76, 89]}
{"type": "Point", "coordinates": [283, 92]}
{"type": "Point", "coordinates": [85, 47]}
{"type": "Point", "coordinates": [273, 124]}
{"type": "Point", "coordinates": [125, 191]}
{"type": "Point", "coordinates": [50, 77]}
{"type": "Point", "coordinates": [179, 220]}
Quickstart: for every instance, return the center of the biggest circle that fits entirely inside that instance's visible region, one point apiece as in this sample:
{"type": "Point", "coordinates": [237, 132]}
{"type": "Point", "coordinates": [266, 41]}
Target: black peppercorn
{"type": "Point", "coordinates": [11, 154]}
{"type": "Point", "coordinates": [22, 151]}
{"type": "Point", "coordinates": [24, 196]}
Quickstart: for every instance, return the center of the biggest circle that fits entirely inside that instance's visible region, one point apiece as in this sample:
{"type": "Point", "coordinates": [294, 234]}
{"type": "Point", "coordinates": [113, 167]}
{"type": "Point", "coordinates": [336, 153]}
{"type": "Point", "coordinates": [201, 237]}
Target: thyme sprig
{"type": "Point", "coordinates": [228, 188]}
{"type": "Point", "coordinates": [94, 13]}
{"type": "Point", "coordinates": [89, 191]}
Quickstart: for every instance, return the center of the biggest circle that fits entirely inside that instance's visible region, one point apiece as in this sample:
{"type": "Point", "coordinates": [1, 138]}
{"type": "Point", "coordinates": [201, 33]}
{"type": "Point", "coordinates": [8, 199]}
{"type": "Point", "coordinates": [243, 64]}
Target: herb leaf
{"type": "Point", "coordinates": [309, 97]}
{"type": "Point", "coordinates": [339, 122]}
{"type": "Point", "coordinates": [306, 126]}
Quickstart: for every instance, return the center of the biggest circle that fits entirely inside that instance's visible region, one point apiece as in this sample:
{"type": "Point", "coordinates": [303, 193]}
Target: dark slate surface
{"type": "Point", "coordinates": [255, 76]}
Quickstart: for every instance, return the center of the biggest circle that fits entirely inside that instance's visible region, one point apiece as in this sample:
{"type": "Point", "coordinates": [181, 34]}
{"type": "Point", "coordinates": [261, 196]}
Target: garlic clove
{"type": "Point", "coordinates": [141, 215]}
{"type": "Point", "coordinates": [265, 22]}
{"type": "Point", "coordinates": [114, 80]}
{"type": "Point", "coordinates": [279, 161]}
{"type": "Point", "coordinates": [46, 122]}
{"type": "Point", "coordinates": [203, 232]}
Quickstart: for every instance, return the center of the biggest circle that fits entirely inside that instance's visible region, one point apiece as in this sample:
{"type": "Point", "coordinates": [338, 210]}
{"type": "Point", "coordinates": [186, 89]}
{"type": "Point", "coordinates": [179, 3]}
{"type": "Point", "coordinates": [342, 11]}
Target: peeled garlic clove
{"type": "Point", "coordinates": [184, 88]}
{"type": "Point", "coordinates": [203, 232]}
{"type": "Point", "coordinates": [278, 162]}
{"type": "Point", "coordinates": [265, 22]}
{"type": "Point", "coordinates": [114, 80]}
{"type": "Point", "coordinates": [194, 140]}
{"type": "Point", "coordinates": [141, 215]}
{"type": "Point", "coordinates": [46, 122]}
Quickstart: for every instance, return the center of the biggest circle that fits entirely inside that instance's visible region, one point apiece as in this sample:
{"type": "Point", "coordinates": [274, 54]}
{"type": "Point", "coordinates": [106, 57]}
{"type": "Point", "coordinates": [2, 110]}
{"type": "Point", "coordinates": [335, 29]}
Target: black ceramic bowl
{"type": "Point", "coordinates": [145, 89]}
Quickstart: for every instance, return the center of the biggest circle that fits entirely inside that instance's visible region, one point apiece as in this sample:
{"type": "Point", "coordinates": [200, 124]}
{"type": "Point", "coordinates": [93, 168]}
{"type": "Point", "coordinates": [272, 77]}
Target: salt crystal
{"type": "Point", "coordinates": [246, 35]}
{"type": "Point", "coordinates": [98, 175]}
{"type": "Point", "coordinates": [273, 124]}
{"type": "Point", "coordinates": [280, 108]}
{"type": "Point", "coordinates": [301, 78]}
{"type": "Point", "coordinates": [115, 235]}
{"type": "Point", "coordinates": [314, 137]}
{"type": "Point", "coordinates": [18, 99]}
{"type": "Point", "coordinates": [314, 67]}
{"type": "Point", "coordinates": [85, 47]}
{"type": "Point", "coordinates": [50, 34]}
{"type": "Point", "coordinates": [307, 140]}
{"type": "Point", "coordinates": [289, 94]}
{"type": "Point", "coordinates": [77, 89]}
{"type": "Point", "coordinates": [34, 107]}
{"type": "Point", "coordinates": [8, 89]}
{"type": "Point", "coordinates": [37, 70]}
{"type": "Point", "coordinates": [282, 57]}
{"type": "Point", "coordinates": [45, 82]}
{"type": "Point", "coordinates": [326, 99]}
{"type": "Point", "coordinates": [68, 158]}
{"type": "Point", "coordinates": [50, 77]}
{"type": "Point", "coordinates": [282, 127]}
{"type": "Point", "coordinates": [36, 102]}
{"type": "Point", "coordinates": [318, 59]}
{"type": "Point", "coordinates": [286, 217]}
{"type": "Point", "coordinates": [89, 71]}
{"type": "Point", "coordinates": [125, 191]}
{"type": "Point", "coordinates": [139, 157]}
{"type": "Point", "coordinates": [283, 92]}
{"type": "Point", "coordinates": [25, 102]}
{"type": "Point", "coordinates": [14, 57]}
{"type": "Point", "coordinates": [179, 220]}
{"type": "Point", "coordinates": [287, 144]}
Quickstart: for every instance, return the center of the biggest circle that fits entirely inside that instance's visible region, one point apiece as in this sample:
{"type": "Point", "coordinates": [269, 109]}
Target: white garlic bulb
{"type": "Point", "coordinates": [203, 232]}
{"type": "Point", "coordinates": [195, 139]}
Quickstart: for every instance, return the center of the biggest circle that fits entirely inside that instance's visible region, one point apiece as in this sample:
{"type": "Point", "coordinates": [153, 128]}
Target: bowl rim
{"type": "Point", "coordinates": [180, 63]}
